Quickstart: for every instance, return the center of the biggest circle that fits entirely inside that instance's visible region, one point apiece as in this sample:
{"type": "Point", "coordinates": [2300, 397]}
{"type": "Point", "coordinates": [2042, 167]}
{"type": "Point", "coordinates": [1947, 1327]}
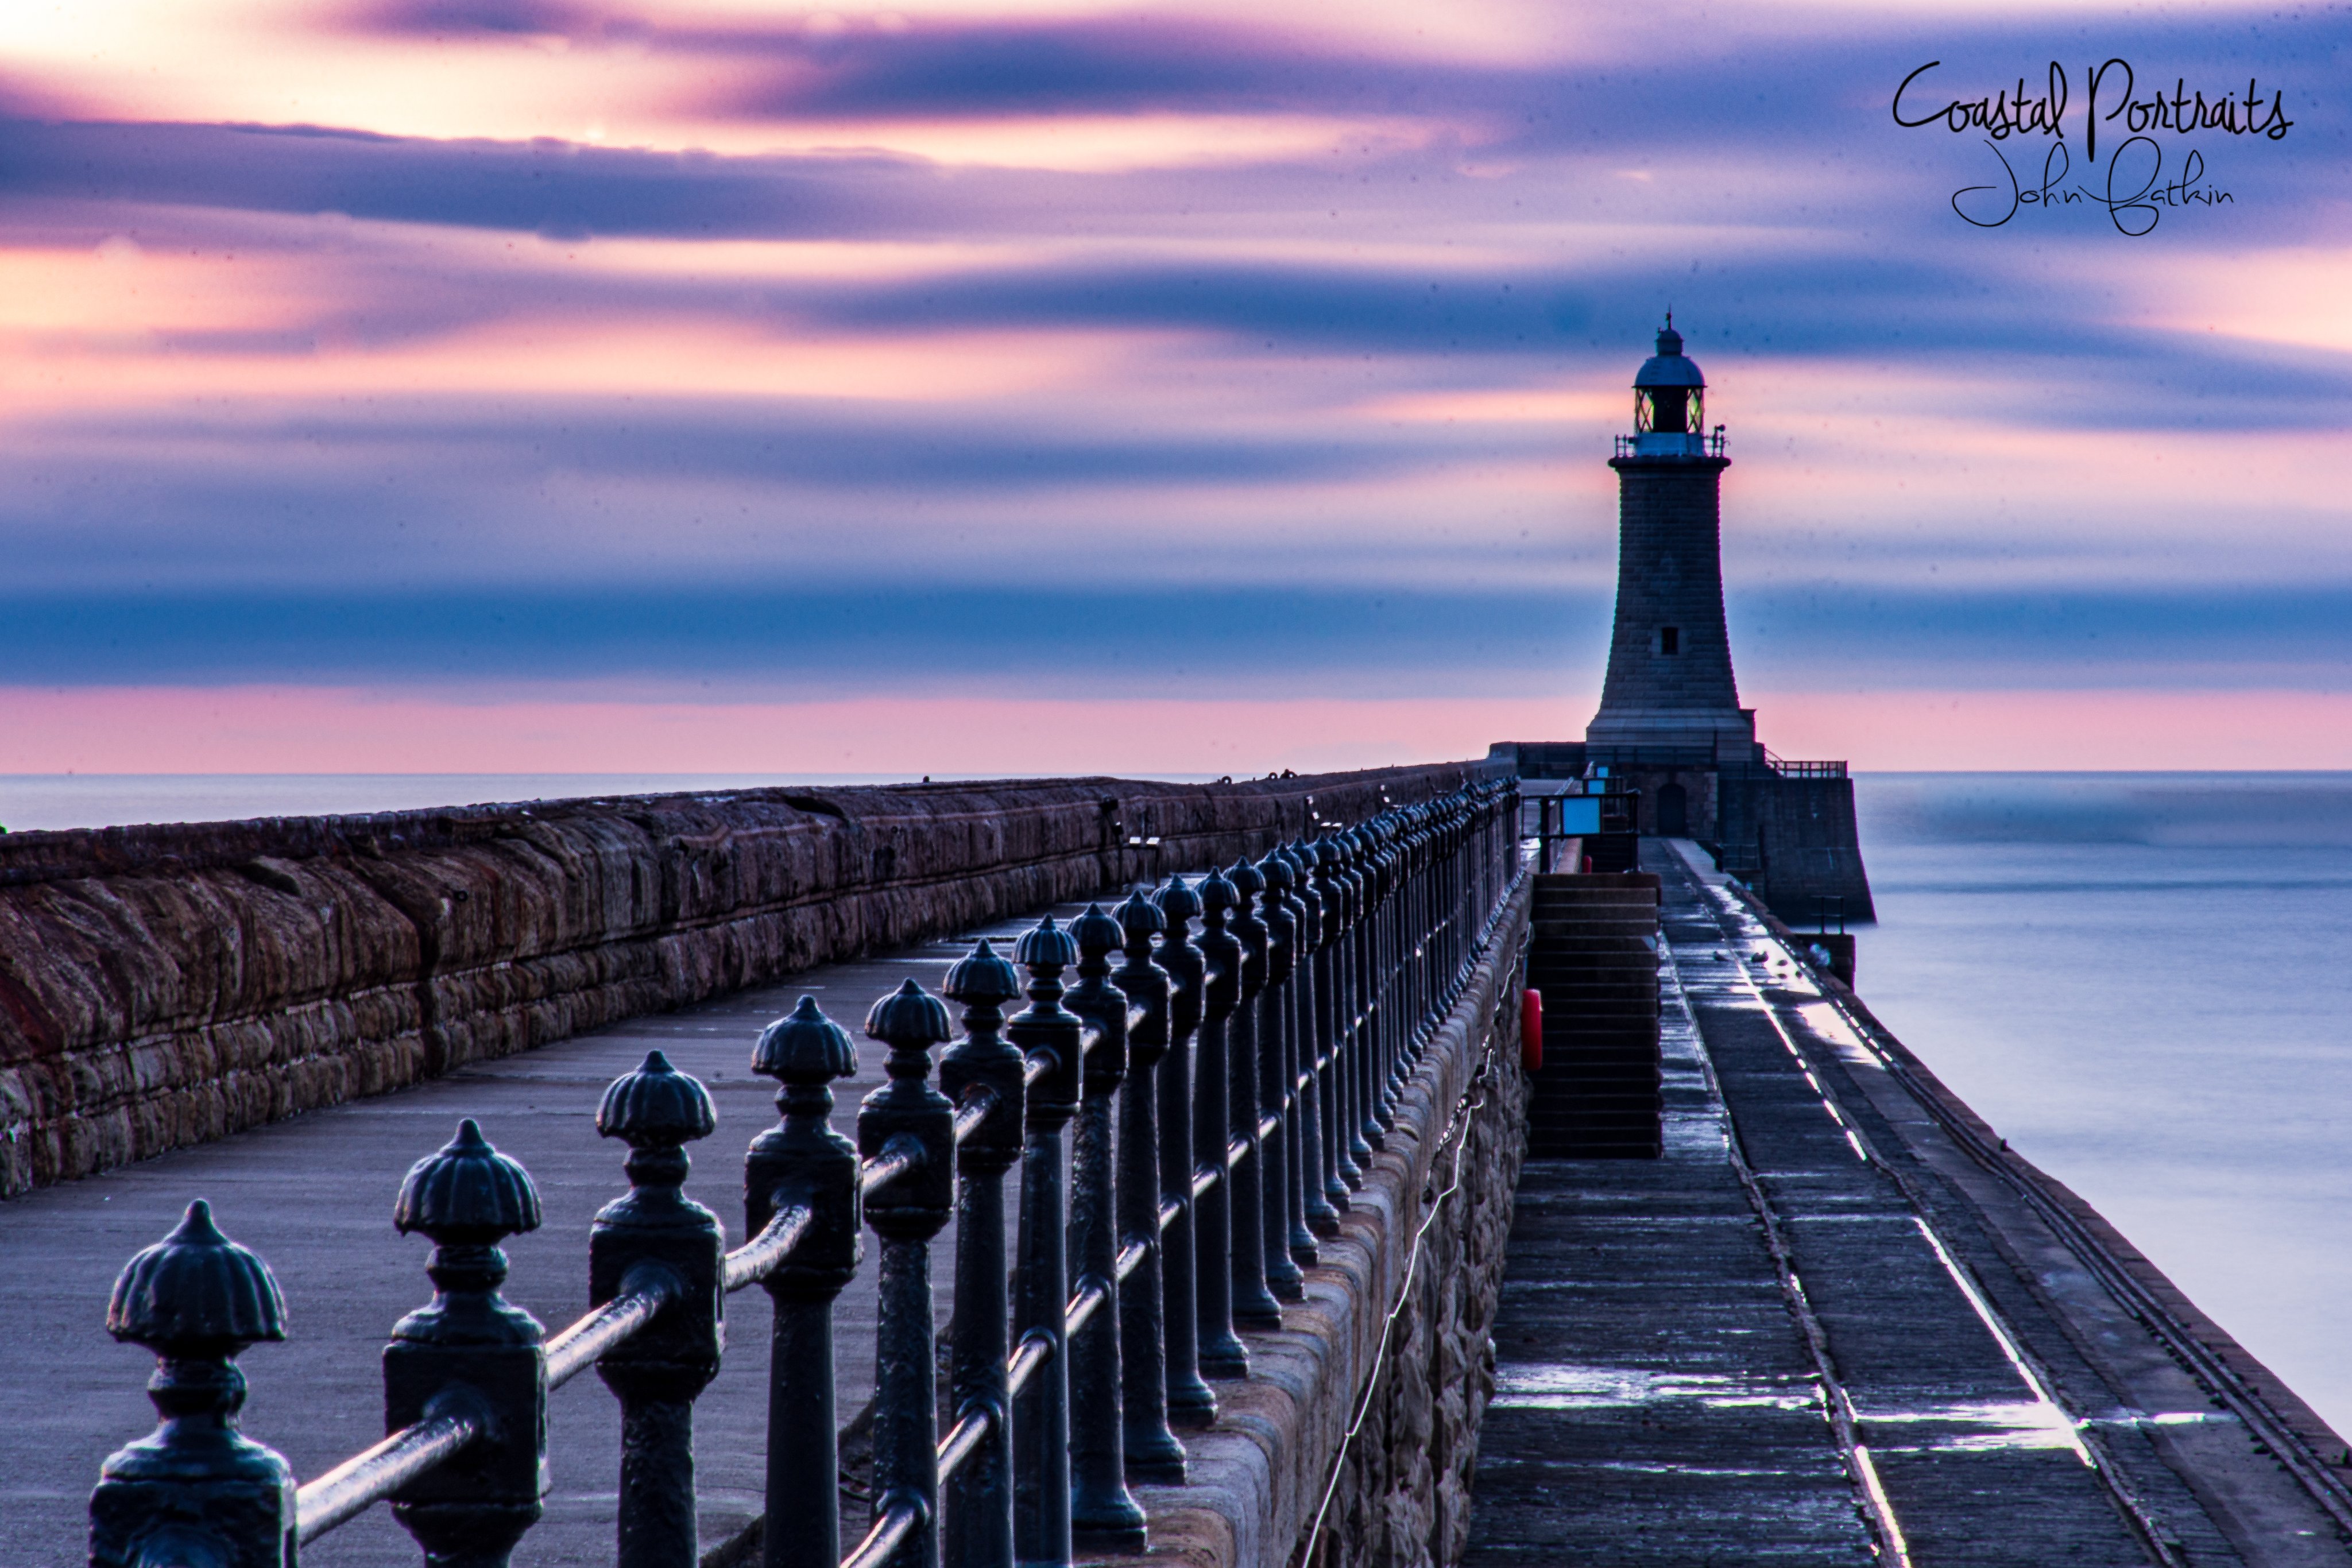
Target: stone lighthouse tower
{"type": "Point", "coordinates": [1669, 699]}
{"type": "Point", "coordinates": [1671, 739]}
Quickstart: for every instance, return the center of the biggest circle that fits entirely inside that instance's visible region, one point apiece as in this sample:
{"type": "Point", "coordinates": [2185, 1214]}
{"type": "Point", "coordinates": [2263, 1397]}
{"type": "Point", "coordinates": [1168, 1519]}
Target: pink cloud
{"type": "Point", "coordinates": [2062, 730]}
{"type": "Point", "coordinates": [293, 729]}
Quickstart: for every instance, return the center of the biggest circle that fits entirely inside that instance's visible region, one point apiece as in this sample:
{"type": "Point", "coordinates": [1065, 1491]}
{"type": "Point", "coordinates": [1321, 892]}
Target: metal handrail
{"type": "Point", "coordinates": [367, 1478]}
{"type": "Point", "coordinates": [964, 1440]}
{"type": "Point", "coordinates": [1089, 1301]}
{"type": "Point", "coordinates": [897, 1522]}
{"type": "Point", "coordinates": [758, 1257]}
{"type": "Point", "coordinates": [898, 1156]}
{"type": "Point", "coordinates": [1036, 1350]}
{"type": "Point", "coordinates": [978, 1102]}
{"type": "Point", "coordinates": [611, 1325]}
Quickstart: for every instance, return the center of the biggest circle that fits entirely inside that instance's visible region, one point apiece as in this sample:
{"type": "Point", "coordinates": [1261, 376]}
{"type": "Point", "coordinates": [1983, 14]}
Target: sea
{"type": "Point", "coordinates": [2143, 980]}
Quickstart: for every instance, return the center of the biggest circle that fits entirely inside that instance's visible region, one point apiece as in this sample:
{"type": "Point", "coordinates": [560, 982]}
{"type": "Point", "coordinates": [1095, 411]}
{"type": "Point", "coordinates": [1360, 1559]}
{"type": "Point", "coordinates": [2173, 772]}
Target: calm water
{"type": "Point", "coordinates": [2143, 980]}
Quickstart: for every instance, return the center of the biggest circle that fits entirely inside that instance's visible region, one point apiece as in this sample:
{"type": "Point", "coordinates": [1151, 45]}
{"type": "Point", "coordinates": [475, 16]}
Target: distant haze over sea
{"type": "Point", "coordinates": [2144, 980]}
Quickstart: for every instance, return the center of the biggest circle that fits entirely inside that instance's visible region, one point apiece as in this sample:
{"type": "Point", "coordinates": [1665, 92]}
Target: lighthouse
{"type": "Point", "coordinates": [1669, 697]}
{"type": "Point", "coordinates": [1671, 741]}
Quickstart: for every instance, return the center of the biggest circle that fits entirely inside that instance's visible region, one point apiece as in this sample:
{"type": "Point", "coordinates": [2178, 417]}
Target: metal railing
{"type": "Point", "coordinates": [1226, 1093]}
{"type": "Point", "coordinates": [1694, 443]}
{"type": "Point", "coordinates": [1788, 769]}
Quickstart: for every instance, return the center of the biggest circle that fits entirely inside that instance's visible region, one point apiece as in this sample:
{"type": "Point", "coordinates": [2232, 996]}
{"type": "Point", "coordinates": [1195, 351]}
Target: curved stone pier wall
{"type": "Point", "coordinates": [163, 986]}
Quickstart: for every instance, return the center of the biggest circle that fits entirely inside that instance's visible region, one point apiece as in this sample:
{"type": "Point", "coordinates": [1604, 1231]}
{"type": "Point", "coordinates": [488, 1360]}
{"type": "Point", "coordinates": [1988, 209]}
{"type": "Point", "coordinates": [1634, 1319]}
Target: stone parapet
{"type": "Point", "coordinates": [163, 986]}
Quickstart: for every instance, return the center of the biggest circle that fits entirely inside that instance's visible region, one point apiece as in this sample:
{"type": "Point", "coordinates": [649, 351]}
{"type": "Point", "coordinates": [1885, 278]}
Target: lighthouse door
{"type": "Point", "coordinates": [1673, 810]}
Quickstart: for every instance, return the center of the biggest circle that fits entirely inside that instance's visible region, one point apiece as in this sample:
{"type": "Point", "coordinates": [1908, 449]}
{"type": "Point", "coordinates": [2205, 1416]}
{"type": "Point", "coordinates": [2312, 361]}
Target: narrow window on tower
{"type": "Point", "coordinates": [1670, 639]}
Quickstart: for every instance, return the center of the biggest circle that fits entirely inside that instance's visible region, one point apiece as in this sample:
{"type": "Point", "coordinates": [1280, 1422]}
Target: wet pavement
{"type": "Point", "coordinates": [1812, 1332]}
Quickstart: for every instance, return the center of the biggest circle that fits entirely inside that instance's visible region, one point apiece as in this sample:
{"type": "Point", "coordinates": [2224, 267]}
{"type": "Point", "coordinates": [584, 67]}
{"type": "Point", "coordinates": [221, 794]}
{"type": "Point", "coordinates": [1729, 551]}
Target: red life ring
{"type": "Point", "coordinates": [1531, 1029]}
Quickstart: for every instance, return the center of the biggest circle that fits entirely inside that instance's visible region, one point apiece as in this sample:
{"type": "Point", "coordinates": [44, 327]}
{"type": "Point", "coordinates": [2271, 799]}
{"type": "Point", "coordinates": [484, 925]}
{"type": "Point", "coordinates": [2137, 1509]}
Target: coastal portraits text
{"type": "Point", "coordinates": [2139, 181]}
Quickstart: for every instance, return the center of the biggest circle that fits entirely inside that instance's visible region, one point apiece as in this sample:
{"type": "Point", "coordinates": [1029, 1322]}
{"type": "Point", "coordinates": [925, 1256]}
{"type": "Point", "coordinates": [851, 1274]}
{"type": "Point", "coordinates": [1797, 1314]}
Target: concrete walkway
{"type": "Point", "coordinates": [1677, 1338]}
{"type": "Point", "coordinates": [314, 1195]}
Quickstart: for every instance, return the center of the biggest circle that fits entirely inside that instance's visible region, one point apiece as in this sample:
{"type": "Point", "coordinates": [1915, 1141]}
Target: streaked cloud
{"type": "Point", "coordinates": [465, 346]}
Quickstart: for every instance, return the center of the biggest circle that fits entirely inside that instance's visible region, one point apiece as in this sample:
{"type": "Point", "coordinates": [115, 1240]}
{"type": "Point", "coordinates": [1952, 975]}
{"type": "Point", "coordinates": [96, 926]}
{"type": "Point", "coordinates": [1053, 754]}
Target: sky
{"type": "Point", "coordinates": [1043, 385]}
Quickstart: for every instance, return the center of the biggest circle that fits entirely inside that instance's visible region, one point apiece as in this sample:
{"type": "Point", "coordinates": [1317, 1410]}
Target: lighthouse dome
{"type": "Point", "coordinates": [1669, 367]}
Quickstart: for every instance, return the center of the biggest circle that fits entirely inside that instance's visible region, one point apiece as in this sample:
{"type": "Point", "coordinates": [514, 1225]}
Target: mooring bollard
{"type": "Point", "coordinates": [1190, 1402]}
{"type": "Point", "coordinates": [197, 1490]}
{"type": "Point", "coordinates": [804, 1163]}
{"type": "Point", "coordinates": [470, 1353]}
{"type": "Point", "coordinates": [1254, 1304]}
{"type": "Point", "coordinates": [911, 1125]}
{"type": "Point", "coordinates": [658, 1240]}
{"type": "Point", "coordinates": [1048, 1035]}
{"type": "Point", "coordinates": [1103, 1516]}
{"type": "Point", "coordinates": [982, 1074]}
{"type": "Point", "coordinates": [1151, 1450]}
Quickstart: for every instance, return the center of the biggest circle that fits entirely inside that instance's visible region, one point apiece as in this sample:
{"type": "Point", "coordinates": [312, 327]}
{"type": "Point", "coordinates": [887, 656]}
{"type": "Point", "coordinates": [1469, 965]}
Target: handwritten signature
{"type": "Point", "coordinates": [2133, 212]}
{"type": "Point", "coordinates": [2136, 190]}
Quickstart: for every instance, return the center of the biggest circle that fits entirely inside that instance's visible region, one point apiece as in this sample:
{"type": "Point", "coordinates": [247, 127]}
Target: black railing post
{"type": "Point", "coordinates": [1433, 903]}
{"type": "Point", "coordinates": [804, 1162]}
{"type": "Point", "coordinates": [1356, 870]}
{"type": "Point", "coordinates": [1451, 898]}
{"type": "Point", "coordinates": [1412, 899]}
{"type": "Point", "coordinates": [908, 1118]}
{"type": "Point", "coordinates": [1318, 1173]}
{"type": "Point", "coordinates": [1152, 1452]}
{"type": "Point", "coordinates": [978, 1503]}
{"type": "Point", "coordinates": [1339, 1078]}
{"type": "Point", "coordinates": [469, 1348]}
{"type": "Point", "coordinates": [1254, 1304]}
{"type": "Point", "coordinates": [1388, 1002]}
{"type": "Point", "coordinates": [1277, 1086]}
{"type": "Point", "coordinates": [1103, 1517]}
{"type": "Point", "coordinates": [1190, 1402]}
{"type": "Point", "coordinates": [1222, 1353]}
{"type": "Point", "coordinates": [1458, 880]}
{"type": "Point", "coordinates": [1388, 875]}
{"type": "Point", "coordinates": [1048, 1035]}
{"type": "Point", "coordinates": [1305, 1148]}
{"type": "Point", "coordinates": [658, 1238]}
{"type": "Point", "coordinates": [197, 1490]}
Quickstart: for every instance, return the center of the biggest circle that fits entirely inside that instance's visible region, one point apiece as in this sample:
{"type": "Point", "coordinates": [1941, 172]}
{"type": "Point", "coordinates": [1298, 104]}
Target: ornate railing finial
{"type": "Point", "coordinates": [197, 1489]}
{"type": "Point", "coordinates": [470, 1352]}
